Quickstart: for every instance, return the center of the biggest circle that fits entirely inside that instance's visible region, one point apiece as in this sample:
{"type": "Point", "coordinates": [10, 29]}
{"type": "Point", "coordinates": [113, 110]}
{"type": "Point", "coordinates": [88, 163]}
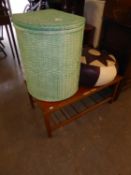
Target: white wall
{"type": "Point", "coordinates": [94, 13]}
{"type": "Point", "coordinates": [18, 6]}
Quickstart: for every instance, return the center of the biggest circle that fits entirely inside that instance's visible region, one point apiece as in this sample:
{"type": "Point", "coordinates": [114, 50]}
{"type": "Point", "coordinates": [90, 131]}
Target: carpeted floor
{"type": "Point", "coordinates": [97, 144]}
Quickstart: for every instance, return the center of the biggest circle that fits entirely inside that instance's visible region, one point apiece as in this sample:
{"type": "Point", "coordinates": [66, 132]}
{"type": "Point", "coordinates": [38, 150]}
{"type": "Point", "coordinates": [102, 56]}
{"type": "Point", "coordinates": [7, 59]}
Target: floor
{"type": "Point", "coordinates": [97, 144]}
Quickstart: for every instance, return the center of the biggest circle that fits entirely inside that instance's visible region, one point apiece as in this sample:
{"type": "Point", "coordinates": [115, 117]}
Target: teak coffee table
{"type": "Point", "coordinates": [58, 114]}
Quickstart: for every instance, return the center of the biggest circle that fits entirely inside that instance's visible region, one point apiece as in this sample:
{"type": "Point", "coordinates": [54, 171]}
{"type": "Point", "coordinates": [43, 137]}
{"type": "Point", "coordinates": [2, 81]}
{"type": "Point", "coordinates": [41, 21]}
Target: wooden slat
{"type": "Point", "coordinates": [80, 114]}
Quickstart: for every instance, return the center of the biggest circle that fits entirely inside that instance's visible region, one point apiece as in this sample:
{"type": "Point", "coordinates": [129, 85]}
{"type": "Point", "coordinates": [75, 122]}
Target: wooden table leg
{"type": "Point", "coordinates": [47, 123]}
{"type": "Point", "coordinates": [116, 92]}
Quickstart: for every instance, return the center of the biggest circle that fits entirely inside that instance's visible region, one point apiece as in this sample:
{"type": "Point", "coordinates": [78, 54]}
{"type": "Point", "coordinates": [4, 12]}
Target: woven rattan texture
{"type": "Point", "coordinates": [51, 61]}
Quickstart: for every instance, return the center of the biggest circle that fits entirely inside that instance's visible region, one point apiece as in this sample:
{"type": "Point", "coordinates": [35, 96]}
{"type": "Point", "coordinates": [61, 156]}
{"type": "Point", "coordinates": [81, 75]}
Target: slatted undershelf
{"type": "Point", "coordinates": [58, 114]}
{"type": "Point", "coordinates": [73, 111]}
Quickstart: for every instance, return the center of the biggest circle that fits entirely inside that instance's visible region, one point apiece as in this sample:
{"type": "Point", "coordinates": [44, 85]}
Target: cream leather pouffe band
{"type": "Point", "coordinates": [97, 68]}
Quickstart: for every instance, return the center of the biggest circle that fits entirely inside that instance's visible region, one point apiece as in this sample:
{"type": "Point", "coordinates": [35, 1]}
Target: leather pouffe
{"type": "Point", "coordinates": [97, 68]}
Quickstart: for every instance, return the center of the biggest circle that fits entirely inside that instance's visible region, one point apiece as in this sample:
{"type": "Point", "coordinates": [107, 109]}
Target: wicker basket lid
{"type": "Point", "coordinates": [48, 20]}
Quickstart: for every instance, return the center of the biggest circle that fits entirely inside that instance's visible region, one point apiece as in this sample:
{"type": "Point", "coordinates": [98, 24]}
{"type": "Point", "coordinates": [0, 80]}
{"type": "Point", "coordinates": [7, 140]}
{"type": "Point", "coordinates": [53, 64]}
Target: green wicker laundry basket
{"type": "Point", "coordinates": [50, 43]}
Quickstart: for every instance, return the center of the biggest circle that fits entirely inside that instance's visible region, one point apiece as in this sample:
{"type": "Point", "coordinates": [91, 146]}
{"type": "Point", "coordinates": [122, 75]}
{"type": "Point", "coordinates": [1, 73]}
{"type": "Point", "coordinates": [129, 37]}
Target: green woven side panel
{"type": "Point", "coordinates": [51, 62]}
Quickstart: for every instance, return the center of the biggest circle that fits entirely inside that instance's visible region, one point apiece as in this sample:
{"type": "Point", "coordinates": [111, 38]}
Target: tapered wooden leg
{"type": "Point", "coordinates": [46, 117]}
{"type": "Point", "coordinates": [116, 92]}
{"type": "Point", "coordinates": [47, 123]}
